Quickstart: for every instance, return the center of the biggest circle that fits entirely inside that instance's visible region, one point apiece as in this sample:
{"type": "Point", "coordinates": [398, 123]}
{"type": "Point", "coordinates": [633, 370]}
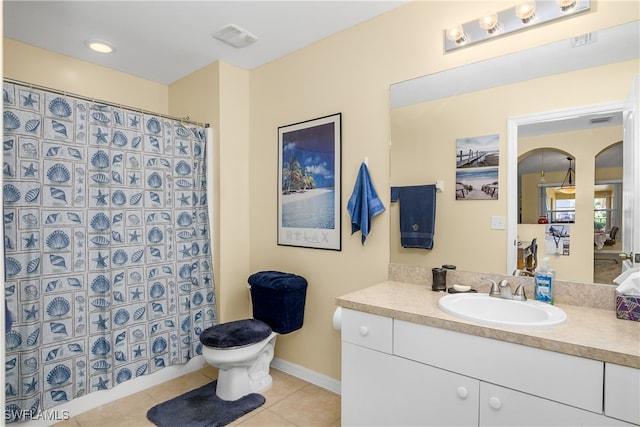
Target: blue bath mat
{"type": "Point", "coordinates": [202, 408]}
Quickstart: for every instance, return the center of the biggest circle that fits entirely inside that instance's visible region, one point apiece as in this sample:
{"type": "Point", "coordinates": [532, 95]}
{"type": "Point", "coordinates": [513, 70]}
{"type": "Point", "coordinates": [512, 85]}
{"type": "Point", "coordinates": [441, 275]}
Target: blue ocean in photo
{"type": "Point", "coordinates": [313, 212]}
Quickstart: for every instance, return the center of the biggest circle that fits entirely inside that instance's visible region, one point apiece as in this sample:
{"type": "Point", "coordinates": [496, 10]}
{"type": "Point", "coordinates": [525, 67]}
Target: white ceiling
{"type": "Point", "coordinates": [164, 41]}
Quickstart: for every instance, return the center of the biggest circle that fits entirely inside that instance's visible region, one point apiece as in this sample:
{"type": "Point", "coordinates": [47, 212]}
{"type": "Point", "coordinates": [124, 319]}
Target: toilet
{"type": "Point", "coordinates": [242, 350]}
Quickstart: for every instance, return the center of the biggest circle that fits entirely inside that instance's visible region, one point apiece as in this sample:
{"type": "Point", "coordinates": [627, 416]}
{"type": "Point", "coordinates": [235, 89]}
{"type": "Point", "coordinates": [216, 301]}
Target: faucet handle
{"type": "Point", "coordinates": [503, 283]}
{"type": "Point", "coordinates": [519, 294]}
{"type": "Point", "coordinates": [495, 290]}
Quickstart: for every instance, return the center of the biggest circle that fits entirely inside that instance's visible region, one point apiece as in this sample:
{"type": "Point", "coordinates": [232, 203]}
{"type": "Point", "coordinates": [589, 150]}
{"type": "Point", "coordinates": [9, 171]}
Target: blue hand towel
{"type": "Point", "coordinates": [417, 215]}
{"type": "Point", "coordinates": [364, 203]}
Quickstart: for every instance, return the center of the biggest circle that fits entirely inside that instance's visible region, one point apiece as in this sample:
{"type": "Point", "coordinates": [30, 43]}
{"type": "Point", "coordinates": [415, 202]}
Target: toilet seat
{"type": "Point", "coordinates": [238, 333]}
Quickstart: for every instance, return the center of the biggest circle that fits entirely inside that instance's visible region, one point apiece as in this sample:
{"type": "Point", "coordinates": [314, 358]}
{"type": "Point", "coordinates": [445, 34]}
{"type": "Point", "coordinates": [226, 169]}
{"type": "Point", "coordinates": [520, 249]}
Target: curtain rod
{"type": "Point", "coordinates": [99, 101]}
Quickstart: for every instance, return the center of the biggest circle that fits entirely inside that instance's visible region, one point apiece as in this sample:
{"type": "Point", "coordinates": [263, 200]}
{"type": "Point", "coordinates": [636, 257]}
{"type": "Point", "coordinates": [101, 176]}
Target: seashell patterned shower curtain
{"type": "Point", "coordinates": [108, 269]}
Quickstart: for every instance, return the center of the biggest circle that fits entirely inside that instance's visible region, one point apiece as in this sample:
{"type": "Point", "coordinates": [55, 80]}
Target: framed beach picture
{"type": "Point", "coordinates": [477, 160]}
{"type": "Point", "coordinates": [309, 183]}
{"type": "Point", "coordinates": [477, 184]}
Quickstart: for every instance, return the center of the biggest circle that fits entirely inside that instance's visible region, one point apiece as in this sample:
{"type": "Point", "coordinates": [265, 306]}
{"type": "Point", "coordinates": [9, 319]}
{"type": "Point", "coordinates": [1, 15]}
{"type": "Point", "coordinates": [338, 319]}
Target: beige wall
{"type": "Point", "coordinates": [219, 95]}
{"type": "Point", "coordinates": [350, 73]}
{"type": "Point", "coordinates": [40, 67]}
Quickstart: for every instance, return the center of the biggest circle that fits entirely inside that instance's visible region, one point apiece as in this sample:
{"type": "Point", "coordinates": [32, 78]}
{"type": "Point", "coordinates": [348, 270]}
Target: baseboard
{"type": "Point", "coordinates": [96, 399]}
{"type": "Point", "coordinates": [308, 375]}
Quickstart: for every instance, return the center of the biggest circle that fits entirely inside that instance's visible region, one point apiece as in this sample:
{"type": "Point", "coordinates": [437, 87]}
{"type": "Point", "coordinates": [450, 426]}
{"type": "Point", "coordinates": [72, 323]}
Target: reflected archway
{"type": "Point", "coordinates": [542, 173]}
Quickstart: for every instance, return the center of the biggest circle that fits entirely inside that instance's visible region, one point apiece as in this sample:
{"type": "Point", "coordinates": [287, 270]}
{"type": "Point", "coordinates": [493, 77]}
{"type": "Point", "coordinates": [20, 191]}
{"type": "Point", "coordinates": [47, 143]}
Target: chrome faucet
{"type": "Point", "coordinates": [519, 272]}
{"type": "Point", "coordinates": [503, 290]}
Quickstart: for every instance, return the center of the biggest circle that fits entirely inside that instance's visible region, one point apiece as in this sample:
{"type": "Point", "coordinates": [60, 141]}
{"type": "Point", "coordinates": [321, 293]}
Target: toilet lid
{"type": "Point", "coordinates": [235, 334]}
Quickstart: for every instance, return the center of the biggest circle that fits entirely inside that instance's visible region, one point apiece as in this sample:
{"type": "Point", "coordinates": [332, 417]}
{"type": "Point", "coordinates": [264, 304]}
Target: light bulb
{"type": "Point", "coordinates": [526, 11]}
{"type": "Point", "coordinates": [457, 34]}
{"type": "Point", "coordinates": [99, 46]}
{"type": "Point", "coordinates": [490, 23]}
{"type": "Point", "coordinates": [566, 5]}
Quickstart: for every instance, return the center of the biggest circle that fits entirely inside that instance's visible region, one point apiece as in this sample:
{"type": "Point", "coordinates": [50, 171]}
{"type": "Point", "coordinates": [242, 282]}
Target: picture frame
{"type": "Point", "coordinates": [557, 239]}
{"type": "Point", "coordinates": [477, 161]}
{"type": "Point", "coordinates": [310, 183]}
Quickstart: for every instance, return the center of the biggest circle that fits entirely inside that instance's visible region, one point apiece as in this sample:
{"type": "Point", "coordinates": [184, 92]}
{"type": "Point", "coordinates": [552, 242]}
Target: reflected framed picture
{"type": "Point", "coordinates": [309, 183]}
{"type": "Point", "coordinates": [557, 239]}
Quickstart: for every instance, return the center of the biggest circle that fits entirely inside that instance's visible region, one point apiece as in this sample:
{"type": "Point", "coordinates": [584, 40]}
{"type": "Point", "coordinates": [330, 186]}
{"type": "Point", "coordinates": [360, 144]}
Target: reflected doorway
{"type": "Point", "coordinates": [580, 133]}
{"type": "Point", "coordinates": [607, 213]}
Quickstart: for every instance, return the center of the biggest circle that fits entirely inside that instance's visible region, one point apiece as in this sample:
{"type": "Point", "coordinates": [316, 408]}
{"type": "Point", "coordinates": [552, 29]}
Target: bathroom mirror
{"type": "Point", "coordinates": [430, 113]}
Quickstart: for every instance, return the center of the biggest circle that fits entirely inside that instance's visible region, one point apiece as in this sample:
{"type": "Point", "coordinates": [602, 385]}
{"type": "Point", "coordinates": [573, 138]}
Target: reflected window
{"type": "Point", "coordinates": [607, 206]}
{"type": "Point", "coordinates": [565, 210]}
{"type": "Point", "coordinates": [557, 207]}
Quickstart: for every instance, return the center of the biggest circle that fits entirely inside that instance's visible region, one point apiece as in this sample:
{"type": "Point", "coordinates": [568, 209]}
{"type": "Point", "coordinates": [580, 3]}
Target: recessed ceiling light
{"type": "Point", "coordinates": [99, 46]}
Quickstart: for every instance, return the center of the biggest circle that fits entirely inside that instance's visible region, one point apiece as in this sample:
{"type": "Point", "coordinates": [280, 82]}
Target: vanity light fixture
{"type": "Point", "coordinates": [524, 15]}
{"type": "Point", "coordinates": [568, 185]}
{"type": "Point", "coordinates": [99, 46]}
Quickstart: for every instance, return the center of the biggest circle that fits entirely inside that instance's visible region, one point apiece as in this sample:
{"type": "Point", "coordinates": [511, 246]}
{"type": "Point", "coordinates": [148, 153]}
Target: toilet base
{"type": "Point", "coordinates": [238, 381]}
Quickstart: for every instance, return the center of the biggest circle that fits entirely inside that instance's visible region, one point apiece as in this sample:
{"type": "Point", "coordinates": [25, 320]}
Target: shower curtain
{"type": "Point", "coordinates": [108, 268]}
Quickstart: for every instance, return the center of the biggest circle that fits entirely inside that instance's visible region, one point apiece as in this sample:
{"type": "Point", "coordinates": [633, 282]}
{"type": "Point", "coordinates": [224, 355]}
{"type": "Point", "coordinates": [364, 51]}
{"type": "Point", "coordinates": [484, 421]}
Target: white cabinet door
{"type": "Point", "coordinates": [501, 406]}
{"type": "Point", "coordinates": [383, 390]}
{"type": "Point", "coordinates": [622, 392]}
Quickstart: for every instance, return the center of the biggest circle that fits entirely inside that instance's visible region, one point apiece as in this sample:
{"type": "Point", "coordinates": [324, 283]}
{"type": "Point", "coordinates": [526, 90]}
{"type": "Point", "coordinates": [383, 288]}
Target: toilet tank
{"type": "Point", "coordinates": [278, 299]}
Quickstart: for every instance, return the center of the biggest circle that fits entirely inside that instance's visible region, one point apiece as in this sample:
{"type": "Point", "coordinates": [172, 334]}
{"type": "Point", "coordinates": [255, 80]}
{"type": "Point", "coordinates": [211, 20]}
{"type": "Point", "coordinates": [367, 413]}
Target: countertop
{"type": "Point", "coordinates": [588, 332]}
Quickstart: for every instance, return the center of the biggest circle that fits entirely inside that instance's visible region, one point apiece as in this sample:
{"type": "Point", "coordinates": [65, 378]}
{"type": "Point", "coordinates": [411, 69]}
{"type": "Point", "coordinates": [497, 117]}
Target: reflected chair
{"type": "Point", "coordinates": [611, 240]}
{"type": "Point", "coordinates": [534, 256]}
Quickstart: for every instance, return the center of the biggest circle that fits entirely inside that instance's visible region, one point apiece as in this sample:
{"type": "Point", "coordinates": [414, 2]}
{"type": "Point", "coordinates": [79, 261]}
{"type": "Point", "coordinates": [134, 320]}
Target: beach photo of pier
{"type": "Point", "coordinates": [478, 151]}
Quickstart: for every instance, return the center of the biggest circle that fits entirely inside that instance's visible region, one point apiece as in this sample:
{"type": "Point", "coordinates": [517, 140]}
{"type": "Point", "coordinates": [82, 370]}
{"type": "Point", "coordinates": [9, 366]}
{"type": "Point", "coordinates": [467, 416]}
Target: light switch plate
{"type": "Point", "coordinates": [497, 223]}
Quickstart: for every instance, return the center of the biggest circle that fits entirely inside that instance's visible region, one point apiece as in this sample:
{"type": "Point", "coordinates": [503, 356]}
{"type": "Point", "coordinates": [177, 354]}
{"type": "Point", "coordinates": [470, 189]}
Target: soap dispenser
{"type": "Point", "coordinates": [544, 278]}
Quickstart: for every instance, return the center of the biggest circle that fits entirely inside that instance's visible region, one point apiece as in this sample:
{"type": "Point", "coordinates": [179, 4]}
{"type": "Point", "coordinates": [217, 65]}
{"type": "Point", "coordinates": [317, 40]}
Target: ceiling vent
{"type": "Point", "coordinates": [598, 120]}
{"type": "Point", "coordinates": [583, 39]}
{"type": "Point", "coordinates": [235, 36]}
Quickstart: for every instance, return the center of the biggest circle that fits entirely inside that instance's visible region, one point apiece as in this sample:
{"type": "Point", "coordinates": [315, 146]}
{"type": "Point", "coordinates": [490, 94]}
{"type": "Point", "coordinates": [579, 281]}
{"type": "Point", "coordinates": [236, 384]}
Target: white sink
{"type": "Point", "coordinates": [482, 308]}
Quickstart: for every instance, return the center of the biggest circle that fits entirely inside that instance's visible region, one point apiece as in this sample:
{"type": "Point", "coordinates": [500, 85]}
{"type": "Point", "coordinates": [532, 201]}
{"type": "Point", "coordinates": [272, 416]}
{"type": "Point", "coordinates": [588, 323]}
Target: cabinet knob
{"type": "Point", "coordinates": [364, 331]}
{"type": "Point", "coordinates": [462, 392]}
{"type": "Point", "coordinates": [495, 403]}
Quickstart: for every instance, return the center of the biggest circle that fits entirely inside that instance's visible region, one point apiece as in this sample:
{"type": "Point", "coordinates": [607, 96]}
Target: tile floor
{"type": "Point", "coordinates": [289, 402]}
{"type": "Point", "coordinates": [606, 267]}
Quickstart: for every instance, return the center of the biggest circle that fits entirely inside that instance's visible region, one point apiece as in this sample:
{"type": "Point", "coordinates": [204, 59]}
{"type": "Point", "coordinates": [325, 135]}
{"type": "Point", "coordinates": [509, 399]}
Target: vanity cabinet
{"type": "Point", "coordinates": [400, 373]}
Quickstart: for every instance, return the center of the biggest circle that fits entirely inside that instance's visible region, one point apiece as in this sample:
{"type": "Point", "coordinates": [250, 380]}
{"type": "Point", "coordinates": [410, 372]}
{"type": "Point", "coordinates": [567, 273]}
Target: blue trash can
{"type": "Point", "coordinates": [278, 299]}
